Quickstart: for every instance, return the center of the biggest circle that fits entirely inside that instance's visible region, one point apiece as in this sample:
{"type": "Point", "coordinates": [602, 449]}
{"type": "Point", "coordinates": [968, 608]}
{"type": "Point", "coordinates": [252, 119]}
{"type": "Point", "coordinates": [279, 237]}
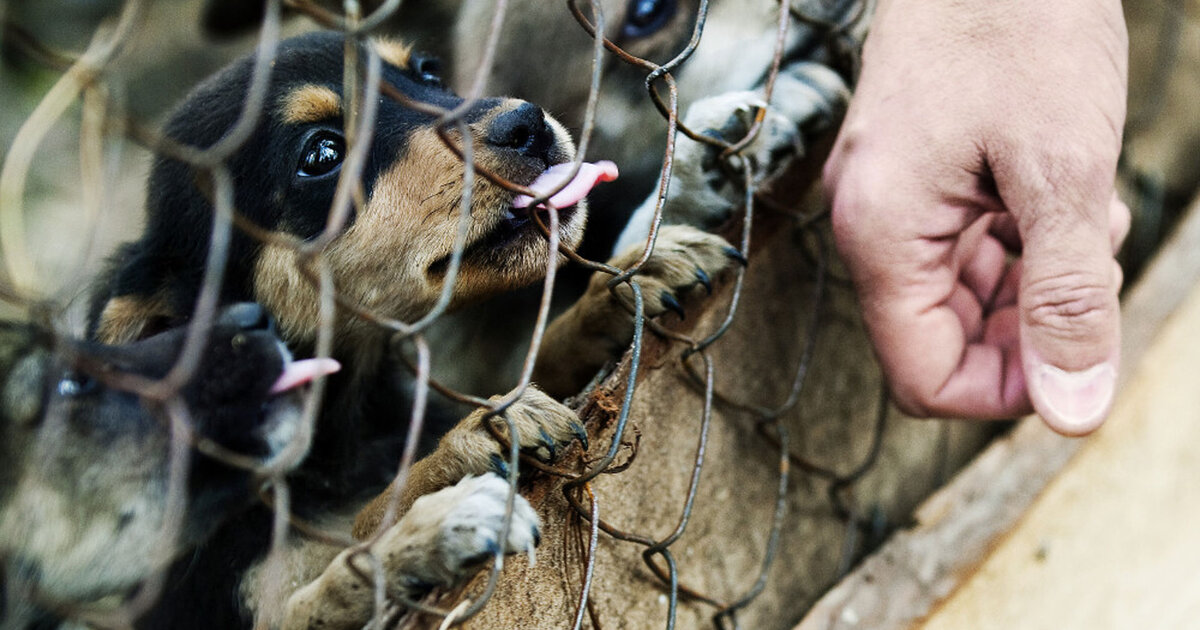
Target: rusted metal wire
{"type": "Point", "coordinates": [593, 540]}
{"type": "Point", "coordinates": [105, 120]}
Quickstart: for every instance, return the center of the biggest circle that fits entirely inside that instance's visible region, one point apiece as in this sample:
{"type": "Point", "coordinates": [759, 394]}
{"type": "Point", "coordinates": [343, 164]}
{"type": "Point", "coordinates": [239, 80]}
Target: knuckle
{"type": "Point", "coordinates": [909, 390]}
{"type": "Point", "coordinates": [1072, 174]}
{"type": "Point", "coordinates": [1069, 305]}
{"type": "Point", "coordinates": [1119, 221]}
{"type": "Point", "coordinates": [858, 200]}
{"type": "Point", "coordinates": [909, 399]}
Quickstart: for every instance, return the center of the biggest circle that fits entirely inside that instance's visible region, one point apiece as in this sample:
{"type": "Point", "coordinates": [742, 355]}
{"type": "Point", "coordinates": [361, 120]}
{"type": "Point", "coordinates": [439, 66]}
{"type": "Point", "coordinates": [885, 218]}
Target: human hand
{"type": "Point", "coordinates": [973, 202]}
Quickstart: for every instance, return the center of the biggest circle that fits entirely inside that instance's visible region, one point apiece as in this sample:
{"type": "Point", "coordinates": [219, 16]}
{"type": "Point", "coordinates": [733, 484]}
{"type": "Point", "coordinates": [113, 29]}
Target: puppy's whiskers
{"type": "Point", "coordinates": [440, 191]}
{"type": "Point", "coordinates": [450, 207]}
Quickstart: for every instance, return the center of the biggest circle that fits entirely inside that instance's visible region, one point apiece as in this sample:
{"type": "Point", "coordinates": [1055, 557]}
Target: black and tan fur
{"type": "Point", "coordinates": [84, 463]}
{"type": "Point", "coordinates": [544, 55]}
{"type": "Point", "coordinates": [390, 259]}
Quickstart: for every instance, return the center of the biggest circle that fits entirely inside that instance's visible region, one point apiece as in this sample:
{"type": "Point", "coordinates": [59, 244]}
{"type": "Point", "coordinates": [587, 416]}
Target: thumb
{"type": "Point", "coordinates": [1070, 315]}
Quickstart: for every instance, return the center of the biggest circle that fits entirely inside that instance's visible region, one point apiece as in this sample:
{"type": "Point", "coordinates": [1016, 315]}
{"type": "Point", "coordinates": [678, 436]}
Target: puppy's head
{"type": "Point", "coordinates": [394, 253]}
{"type": "Point", "coordinates": [84, 469]}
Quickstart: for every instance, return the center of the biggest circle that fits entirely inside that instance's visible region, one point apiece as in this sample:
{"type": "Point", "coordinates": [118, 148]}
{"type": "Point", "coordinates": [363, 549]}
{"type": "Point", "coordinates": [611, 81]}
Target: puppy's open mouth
{"type": "Point", "coordinates": [572, 191]}
{"type": "Point", "coordinates": [518, 223]}
{"type": "Point", "coordinates": [520, 216]}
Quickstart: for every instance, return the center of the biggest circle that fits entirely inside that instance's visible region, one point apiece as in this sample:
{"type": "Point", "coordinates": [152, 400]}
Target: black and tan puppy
{"type": "Point", "coordinates": [84, 464]}
{"type": "Point", "coordinates": [392, 259]}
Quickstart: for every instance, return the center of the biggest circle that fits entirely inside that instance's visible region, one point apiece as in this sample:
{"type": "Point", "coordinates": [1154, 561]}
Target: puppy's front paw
{"type": "Point", "coordinates": [729, 117]}
{"type": "Point", "coordinates": [683, 262]}
{"type": "Point", "coordinates": [457, 528]}
{"type": "Point", "coordinates": [599, 326]}
{"type": "Point", "coordinates": [812, 96]}
{"type": "Point", "coordinates": [439, 542]}
{"type": "Point", "coordinates": [807, 100]}
{"type": "Point", "coordinates": [544, 427]}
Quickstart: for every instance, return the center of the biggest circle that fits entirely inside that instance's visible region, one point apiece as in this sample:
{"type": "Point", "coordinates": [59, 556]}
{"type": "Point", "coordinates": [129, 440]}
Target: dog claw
{"type": "Point", "coordinates": [704, 279]}
{"type": "Point", "coordinates": [490, 548]}
{"type": "Point", "coordinates": [548, 442]}
{"type": "Point", "coordinates": [499, 465]}
{"type": "Point", "coordinates": [580, 433]}
{"type": "Point", "coordinates": [672, 304]}
{"type": "Point", "coordinates": [733, 253]}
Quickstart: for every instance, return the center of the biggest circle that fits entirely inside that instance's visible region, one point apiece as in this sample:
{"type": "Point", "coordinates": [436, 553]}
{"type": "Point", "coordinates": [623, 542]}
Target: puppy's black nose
{"type": "Point", "coordinates": [523, 129]}
{"type": "Point", "coordinates": [248, 316]}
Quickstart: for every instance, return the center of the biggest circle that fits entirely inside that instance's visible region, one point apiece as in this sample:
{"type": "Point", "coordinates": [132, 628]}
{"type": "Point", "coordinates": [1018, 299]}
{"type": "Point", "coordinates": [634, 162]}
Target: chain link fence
{"type": "Point", "coordinates": [85, 97]}
{"type": "Point", "coordinates": [85, 93]}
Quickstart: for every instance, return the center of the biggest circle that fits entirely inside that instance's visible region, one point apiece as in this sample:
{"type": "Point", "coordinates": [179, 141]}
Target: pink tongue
{"type": "Point", "coordinates": [588, 176]}
{"type": "Point", "coordinates": [300, 372]}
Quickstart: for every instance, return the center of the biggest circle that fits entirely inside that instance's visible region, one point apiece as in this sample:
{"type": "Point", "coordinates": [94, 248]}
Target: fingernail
{"type": "Point", "coordinates": [1077, 400]}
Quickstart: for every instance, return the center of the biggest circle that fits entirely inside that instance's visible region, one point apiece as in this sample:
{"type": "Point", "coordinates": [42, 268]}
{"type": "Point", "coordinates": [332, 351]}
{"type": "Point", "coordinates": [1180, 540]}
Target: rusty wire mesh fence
{"type": "Point", "coordinates": [103, 121]}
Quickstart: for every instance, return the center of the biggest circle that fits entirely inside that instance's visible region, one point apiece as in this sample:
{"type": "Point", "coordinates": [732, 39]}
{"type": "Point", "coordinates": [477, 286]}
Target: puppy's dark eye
{"type": "Point", "coordinates": [428, 69]}
{"type": "Point", "coordinates": [323, 153]}
{"type": "Point", "coordinates": [646, 17]}
{"type": "Point", "coordinates": [75, 384]}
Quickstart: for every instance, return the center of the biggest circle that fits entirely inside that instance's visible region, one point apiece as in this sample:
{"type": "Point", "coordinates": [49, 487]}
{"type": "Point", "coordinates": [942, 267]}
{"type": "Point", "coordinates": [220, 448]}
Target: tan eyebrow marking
{"type": "Point", "coordinates": [311, 103]}
{"type": "Point", "coordinates": [393, 51]}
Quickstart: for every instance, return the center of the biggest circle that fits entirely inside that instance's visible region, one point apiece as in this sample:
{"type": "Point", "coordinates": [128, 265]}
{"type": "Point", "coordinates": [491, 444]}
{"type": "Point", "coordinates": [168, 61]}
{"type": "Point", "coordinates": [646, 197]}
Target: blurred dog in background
{"type": "Point", "coordinates": [84, 461]}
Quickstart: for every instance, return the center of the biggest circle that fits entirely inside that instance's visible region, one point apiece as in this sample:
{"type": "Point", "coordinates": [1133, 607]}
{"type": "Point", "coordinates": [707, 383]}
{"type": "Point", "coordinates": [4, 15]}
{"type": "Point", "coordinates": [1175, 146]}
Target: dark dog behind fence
{"type": "Point", "coordinates": [775, 371]}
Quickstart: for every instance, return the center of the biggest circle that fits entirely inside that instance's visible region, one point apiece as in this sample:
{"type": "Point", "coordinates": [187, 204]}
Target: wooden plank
{"type": "Point", "coordinates": [1112, 541]}
{"type": "Point", "coordinates": [960, 525]}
